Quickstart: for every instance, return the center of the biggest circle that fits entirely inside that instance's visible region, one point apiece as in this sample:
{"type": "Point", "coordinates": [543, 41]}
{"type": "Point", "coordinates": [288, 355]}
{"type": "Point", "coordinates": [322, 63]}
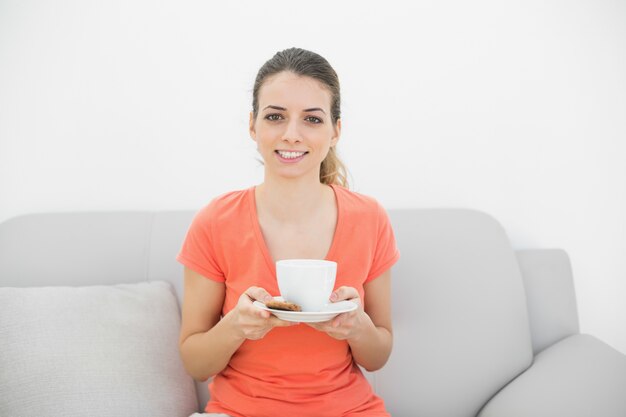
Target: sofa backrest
{"type": "Point", "coordinates": [87, 248]}
{"type": "Point", "coordinates": [461, 328]}
{"type": "Point", "coordinates": [550, 295]}
{"type": "Point", "coordinates": [460, 319]}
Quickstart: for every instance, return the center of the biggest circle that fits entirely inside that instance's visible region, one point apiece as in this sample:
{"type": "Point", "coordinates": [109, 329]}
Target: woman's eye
{"type": "Point", "coordinates": [270, 116]}
{"type": "Point", "coordinates": [275, 117]}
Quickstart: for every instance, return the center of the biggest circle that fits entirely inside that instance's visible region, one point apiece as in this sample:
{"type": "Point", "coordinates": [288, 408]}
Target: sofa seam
{"type": "Point", "coordinates": [148, 244]}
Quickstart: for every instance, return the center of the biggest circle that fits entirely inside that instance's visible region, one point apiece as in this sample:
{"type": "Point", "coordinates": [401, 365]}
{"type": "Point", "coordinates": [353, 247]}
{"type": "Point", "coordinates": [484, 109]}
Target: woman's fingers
{"type": "Point", "coordinates": [262, 313]}
{"type": "Point", "coordinates": [343, 326]}
{"type": "Point", "coordinates": [258, 294]}
{"type": "Point", "coordinates": [267, 319]}
{"type": "Point", "coordinates": [276, 322]}
{"type": "Point", "coordinates": [345, 293]}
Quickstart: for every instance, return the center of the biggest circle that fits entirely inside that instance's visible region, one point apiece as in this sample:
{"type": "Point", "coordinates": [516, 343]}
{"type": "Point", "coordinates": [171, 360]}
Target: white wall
{"type": "Point", "coordinates": [514, 108]}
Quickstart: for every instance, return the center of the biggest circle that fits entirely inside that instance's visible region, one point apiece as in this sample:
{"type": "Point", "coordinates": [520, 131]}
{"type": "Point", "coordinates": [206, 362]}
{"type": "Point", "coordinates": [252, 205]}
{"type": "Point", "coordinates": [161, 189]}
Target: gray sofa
{"type": "Point", "coordinates": [89, 320]}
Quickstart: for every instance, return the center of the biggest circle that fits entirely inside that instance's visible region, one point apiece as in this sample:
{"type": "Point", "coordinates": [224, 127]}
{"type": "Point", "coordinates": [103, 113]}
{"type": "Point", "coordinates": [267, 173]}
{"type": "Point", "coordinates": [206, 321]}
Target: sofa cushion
{"type": "Point", "coordinates": [579, 376]}
{"type": "Point", "coordinates": [93, 350]}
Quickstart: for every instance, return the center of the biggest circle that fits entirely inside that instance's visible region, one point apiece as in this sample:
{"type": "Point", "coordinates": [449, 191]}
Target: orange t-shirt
{"type": "Point", "coordinates": [297, 370]}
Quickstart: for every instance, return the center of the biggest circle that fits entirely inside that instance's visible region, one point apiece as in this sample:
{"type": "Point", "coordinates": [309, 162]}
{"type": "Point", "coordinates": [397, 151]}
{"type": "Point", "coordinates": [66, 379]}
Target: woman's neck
{"type": "Point", "coordinates": [291, 200]}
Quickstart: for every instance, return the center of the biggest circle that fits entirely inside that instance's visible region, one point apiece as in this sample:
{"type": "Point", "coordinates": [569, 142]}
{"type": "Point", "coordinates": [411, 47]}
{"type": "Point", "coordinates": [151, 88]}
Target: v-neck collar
{"type": "Point", "coordinates": [261, 240]}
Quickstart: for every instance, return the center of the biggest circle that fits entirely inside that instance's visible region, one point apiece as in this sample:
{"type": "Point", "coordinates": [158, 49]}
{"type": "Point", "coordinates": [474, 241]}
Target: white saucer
{"type": "Point", "coordinates": [329, 311]}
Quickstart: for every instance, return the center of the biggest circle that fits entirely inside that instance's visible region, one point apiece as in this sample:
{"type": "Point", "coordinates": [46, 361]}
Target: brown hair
{"type": "Point", "coordinates": [309, 64]}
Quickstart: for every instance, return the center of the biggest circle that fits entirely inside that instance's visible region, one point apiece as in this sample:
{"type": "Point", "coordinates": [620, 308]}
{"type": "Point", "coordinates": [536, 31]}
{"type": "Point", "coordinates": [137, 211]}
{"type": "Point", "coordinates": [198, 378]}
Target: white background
{"type": "Point", "coordinates": [515, 108]}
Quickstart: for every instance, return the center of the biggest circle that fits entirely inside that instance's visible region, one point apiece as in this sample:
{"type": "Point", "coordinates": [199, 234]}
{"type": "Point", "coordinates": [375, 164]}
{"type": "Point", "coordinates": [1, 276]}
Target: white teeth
{"type": "Point", "coordinates": [290, 155]}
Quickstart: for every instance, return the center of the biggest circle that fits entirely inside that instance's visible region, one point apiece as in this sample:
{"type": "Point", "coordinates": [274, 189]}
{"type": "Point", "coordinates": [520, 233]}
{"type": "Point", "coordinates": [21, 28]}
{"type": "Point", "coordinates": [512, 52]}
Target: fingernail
{"type": "Point", "coordinates": [267, 298]}
{"type": "Point", "coordinates": [333, 296]}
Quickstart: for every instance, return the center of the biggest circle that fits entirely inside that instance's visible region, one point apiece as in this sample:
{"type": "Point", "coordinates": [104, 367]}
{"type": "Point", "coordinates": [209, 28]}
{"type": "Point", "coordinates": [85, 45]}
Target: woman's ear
{"type": "Point", "coordinates": [337, 134]}
{"type": "Point", "coordinates": [252, 128]}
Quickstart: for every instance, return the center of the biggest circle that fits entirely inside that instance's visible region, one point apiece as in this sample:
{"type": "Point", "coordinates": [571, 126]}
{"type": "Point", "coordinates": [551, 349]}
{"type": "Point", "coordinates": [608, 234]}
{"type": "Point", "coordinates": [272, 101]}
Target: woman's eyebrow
{"type": "Point", "coordinates": [282, 108]}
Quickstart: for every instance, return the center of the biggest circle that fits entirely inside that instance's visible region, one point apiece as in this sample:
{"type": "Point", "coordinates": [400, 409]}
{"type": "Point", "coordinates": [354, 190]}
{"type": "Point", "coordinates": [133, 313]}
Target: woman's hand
{"type": "Point", "coordinates": [251, 322]}
{"type": "Point", "coordinates": [348, 325]}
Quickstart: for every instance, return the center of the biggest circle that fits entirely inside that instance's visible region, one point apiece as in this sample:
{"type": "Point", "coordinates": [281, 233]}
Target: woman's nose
{"type": "Point", "coordinates": [291, 132]}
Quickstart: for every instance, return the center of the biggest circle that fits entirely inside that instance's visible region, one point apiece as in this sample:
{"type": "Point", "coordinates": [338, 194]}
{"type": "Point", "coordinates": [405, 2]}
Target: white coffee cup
{"type": "Point", "coordinates": [306, 282]}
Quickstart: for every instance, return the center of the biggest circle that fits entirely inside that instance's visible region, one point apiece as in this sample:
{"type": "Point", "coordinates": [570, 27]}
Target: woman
{"type": "Point", "coordinates": [261, 365]}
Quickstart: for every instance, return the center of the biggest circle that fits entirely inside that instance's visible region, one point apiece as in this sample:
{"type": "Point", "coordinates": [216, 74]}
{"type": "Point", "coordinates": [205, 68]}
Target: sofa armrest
{"type": "Point", "coordinates": [550, 295]}
{"type": "Point", "coordinates": [580, 376]}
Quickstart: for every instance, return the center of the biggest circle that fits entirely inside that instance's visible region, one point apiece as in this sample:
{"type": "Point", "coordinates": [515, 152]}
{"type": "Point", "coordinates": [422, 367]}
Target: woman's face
{"type": "Point", "coordinates": [293, 129]}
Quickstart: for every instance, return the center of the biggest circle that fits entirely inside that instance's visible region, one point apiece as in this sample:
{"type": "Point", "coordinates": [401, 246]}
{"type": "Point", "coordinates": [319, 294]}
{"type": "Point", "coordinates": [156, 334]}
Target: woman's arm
{"type": "Point", "coordinates": [205, 347]}
{"type": "Point", "coordinates": [207, 343]}
{"type": "Point", "coordinates": [371, 346]}
{"type": "Point", "coordinates": [368, 331]}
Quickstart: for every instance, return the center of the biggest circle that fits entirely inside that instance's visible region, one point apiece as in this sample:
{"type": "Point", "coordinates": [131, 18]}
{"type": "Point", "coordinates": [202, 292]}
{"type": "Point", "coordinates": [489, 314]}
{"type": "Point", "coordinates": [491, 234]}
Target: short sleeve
{"type": "Point", "coordinates": [386, 253]}
{"type": "Point", "coordinates": [197, 251]}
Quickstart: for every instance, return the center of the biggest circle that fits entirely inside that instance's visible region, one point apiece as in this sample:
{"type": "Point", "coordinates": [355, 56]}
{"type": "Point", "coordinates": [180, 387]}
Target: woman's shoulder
{"type": "Point", "coordinates": [358, 202]}
{"type": "Point", "coordinates": [362, 209]}
{"type": "Point", "coordinates": [224, 205]}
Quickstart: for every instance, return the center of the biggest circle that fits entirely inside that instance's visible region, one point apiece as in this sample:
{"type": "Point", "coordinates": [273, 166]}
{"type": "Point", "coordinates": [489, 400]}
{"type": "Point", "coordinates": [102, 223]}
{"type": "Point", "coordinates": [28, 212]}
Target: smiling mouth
{"type": "Point", "coordinates": [291, 155]}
